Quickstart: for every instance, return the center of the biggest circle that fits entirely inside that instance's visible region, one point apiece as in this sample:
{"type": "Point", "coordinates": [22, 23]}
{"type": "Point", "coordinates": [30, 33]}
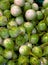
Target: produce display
{"type": "Point", "coordinates": [23, 32]}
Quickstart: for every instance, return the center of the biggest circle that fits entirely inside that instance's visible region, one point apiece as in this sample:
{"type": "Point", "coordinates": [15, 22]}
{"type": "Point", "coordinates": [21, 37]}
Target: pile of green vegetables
{"type": "Point", "coordinates": [23, 32]}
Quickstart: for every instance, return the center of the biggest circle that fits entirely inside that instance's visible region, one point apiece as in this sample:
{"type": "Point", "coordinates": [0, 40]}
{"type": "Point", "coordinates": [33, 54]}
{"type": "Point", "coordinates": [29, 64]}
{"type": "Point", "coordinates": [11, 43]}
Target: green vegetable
{"type": "Point", "coordinates": [4, 33]}
{"type": "Point", "coordinates": [3, 20]}
{"type": "Point", "coordinates": [30, 1]}
{"type": "Point", "coordinates": [21, 39]}
{"type": "Point", "coordinates": [46, 51]}
{"type": "Point", "coordinates": [39, 15]}
{"type": "Point", "coordinates": [14, 31]}
{"type": "Point", "coordinates": [8, 54]}
{"type": "Point", "coordinates": [27, 6]}
{"type": "Point", "coordinates": [28, 26]}
{"type": "Point", "coordinates": [34, 39]}
{"type": "Point", "coordinates": [23, 60]}
{"type": "Point", "coordinates": [35, 6]}
{"type": "Point", "coordinates": [1, 59]}
{"type": "Point", "coordinates": [10, 62]}
{"type": "Point", "coordinates": [15, 10]}
{"type": "Point", "coordinates": [45, 3]}
{"type": "Point", "coordinates": [37, 51]}
{"type": "Point", "coordinates": [19, 20]}
{"type": "Point", "coordinates": [11, 24]}
{"type": "Point", "coordinates": [4, 4]}
{"type": "Point", "coordinates": [42, 26]}
{"type": "Point", "coordinates": [45, 38]}
{"type": "Point", "coordinates": [7, 14]}
{"type": "Point", "coordinates": [8, 43]}
{"type": "Point", "coordinates": [24, 50]}
{"type": "Point", "coordinates": [30, 14]}
{"type": "Point", "coordinates": [34, 61]}
{"type": "Point", "coordinates": [21, 2]}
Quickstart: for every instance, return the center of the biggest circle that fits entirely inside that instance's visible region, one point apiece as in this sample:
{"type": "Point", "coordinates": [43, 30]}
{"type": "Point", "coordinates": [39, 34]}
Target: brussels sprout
{"type": "Point", "coordinates": [45, 3]}
{"type": "Point", "coordinates": [8, 43]}
{"type": "Point", "coordinates": [11, 24]}
{"type": "Point", "coordinates": [23, 60]}
{"type": "Point", "coordinates": [11, 62]}
{"type": "Point", "coordinates": [19, 20]}
{"type": "Point", "coordinates": [43, 11]}
{"type": "Point", "coordinates": [39, 15]}
{"type": "Point", "coordinates": [34, 39]}
{"type": "Point", "coordinates": [15, 10]}
{"type": "Point", "coordinates": [42, 26]}
{"type": "Point", "coordinates": [29, 45]}
{"type": "Point", "coordinates": [43, 61]}
{"type": "Point", "coordinates": [45, 38]}
{"type": "Point", "coordinates": [14, 31]}
{"type": "Point", "coordinates": [7, 14]}
{"type": "Point", "coordinates": [3, 20]}
{"type": "Point", "coordinates": [30, 14]}
{"type": "Point", "coordinates": [28, 26]}
{"type": "Point", "coordinates": [37, 51]}
{"type": "Point", "coordinates": [27, 6]}
{"type": "Point", "coordinates": [46, 51]}
{"type": "Point", "coordinates": [35, 6]}
{"type": "Point", "coordinates": [22, 30]}
{"type": "Point", "coordinates": [4, 4]}
{"type": "Point", "coordinates": [21, 39]}
{"type": "Point", "coordinates": [19, 2]}
{"type": "Point", "coordinates": [24, 50]}
{"type": "Point", "coordinates": [34, 61]}
{"type": "Point", "coordinates": [4, 32]}
{"type": "Point", "coordinates": [1, 59]}
{"type": "Point", "coordinates": [8, 54]}
{"type": "Point", "coordinates": [30, 1]}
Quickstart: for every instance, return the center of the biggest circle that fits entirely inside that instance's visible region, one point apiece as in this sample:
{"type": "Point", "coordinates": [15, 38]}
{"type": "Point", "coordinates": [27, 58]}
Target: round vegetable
{"type": "Point", "coordinates": [10, 62]}
{"type": "Point", "coordinates": [1, 59]}
{"type": "Point", "coordinates": [30, 14]}
{"type": "Point", "coordinates": [34, 39]}
{"type": "Point", "coordinates": [8, 43]}
{"type": "Point", "coordinates": [28, 26]}
{"type": "Point", "coordinates": [4, 32]}
{"type": "Point", "coordinates": [27, 6]}
{"type": "Point", "coordinates": [19, 20]}
{"type": "Point", "coordinates": [3, 20]}
{"type": "Point", "coordinates": [23, 60]}
{"type": "Point", "coordinates": [35, 6]}
{"type": "Point", "coordinates": [42, 26]}
{"type": "Point", "coordinates": [45, 38]}
{"type": "Point", "coordinates": [4, 4]}
{"type": "Point", "coordinates": [37, 51]}
{"type": "Point", "coordinates": [19, 2]}
{"type": "Point", "coordinates": [21, 39]}
{"type": "Point", "coordinates": [34, 61]}
{"type": "Point", "coordinates": [39, 15]}
{"type": "Point", "coordinates": [24, 50]}
{"type": "Point", "coordinates": [14, 32]}
{"type": "Point", "coordinates": [15, 10]}
{"type": "Point", "coordinates": [8, 54]}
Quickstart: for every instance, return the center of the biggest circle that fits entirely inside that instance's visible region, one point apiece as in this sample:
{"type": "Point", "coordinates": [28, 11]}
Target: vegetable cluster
{"type": "Point", "coordinates": [23, 32]}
